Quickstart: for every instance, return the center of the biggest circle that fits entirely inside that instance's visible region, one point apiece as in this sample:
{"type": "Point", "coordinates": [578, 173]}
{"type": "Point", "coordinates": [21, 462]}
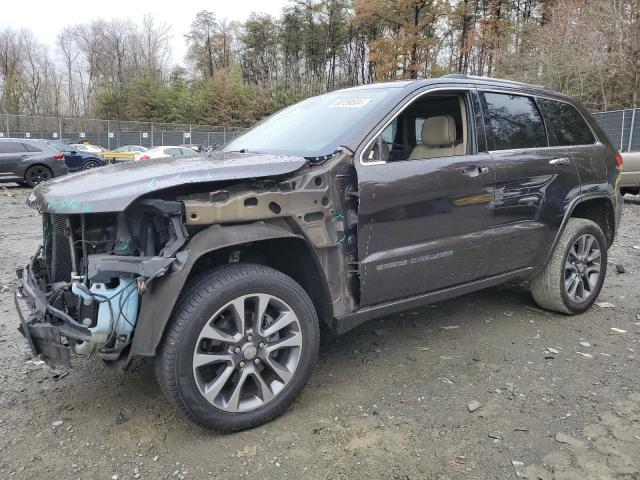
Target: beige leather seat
{"type": "Point", "coordinates": [438, 139]}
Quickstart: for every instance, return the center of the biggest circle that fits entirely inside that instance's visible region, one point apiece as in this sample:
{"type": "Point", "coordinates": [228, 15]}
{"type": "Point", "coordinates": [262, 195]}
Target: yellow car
{"type": "Point", "coordinates": [126, 152]}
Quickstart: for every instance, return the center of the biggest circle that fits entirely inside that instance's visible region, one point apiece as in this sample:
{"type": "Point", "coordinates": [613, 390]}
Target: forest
{"type": "Point", "coordinates": [235, 73]}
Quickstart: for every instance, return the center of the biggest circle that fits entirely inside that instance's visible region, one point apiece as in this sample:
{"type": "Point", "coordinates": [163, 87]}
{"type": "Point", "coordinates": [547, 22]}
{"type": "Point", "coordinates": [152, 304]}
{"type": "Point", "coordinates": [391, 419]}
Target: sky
{"type": "Point", "coordinates": [47, 17]}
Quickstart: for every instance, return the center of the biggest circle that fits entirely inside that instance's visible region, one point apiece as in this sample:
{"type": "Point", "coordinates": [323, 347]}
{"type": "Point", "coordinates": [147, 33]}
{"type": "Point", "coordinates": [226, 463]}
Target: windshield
{"type": "Point", "coordinates": [313, 127]}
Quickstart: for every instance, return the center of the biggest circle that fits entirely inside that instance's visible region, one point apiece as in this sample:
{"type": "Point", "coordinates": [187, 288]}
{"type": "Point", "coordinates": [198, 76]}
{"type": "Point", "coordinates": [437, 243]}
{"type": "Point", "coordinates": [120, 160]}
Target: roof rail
{"type": "Point", "coordinates": [463, 76]}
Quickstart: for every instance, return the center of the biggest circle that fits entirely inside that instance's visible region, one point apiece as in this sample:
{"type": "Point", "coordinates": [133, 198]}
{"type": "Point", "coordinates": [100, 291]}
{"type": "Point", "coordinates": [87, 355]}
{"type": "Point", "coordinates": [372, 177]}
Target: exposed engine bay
{"type": "Point", "coordinates": [86, 284]}
{"type": "Point", "coordinates": [93, 269]}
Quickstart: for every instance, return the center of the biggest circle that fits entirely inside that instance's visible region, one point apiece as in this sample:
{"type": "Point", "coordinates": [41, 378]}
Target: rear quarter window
{"type": "Point", "coordinates": [565, 124]}
{"type": "Point", "coordinates": [31, 148]}
{"type": "Point", "coordinates": [514, 121]}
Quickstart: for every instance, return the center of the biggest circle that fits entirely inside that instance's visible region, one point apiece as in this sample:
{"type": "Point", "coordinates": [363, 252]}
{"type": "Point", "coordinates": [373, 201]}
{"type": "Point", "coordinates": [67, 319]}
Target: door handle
{"type": "Point", "coordinates": [474, 171]}
{"type": "Point", "coordinates": [560, 161]}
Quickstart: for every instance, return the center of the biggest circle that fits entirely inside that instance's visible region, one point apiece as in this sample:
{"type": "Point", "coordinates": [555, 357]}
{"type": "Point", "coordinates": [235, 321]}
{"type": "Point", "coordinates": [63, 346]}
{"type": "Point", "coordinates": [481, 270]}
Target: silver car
{"type": "Point", "coordinates": [165, 152]}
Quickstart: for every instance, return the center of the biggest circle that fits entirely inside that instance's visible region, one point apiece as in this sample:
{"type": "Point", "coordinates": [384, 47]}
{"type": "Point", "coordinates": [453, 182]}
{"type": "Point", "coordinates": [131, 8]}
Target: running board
{"type": "Point", "coordinates": [350, 321]}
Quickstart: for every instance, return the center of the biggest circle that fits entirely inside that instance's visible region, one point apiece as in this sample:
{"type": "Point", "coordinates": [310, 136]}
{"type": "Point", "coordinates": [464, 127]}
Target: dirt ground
{"type": "Point", "coordinates": [388, 400]}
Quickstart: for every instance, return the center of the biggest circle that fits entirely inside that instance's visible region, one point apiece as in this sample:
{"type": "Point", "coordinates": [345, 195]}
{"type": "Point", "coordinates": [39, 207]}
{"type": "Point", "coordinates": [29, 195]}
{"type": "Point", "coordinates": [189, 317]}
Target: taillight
{"type": "Point", "coordinates": [618, 158]}
{"type": "Point", "coordinates": [59, 156]}
{"type": "Point", "coordinates": [144, 157]}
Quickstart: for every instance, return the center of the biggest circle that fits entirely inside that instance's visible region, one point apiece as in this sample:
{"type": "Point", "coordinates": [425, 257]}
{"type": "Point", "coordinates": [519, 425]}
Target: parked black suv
{"type": "Point", "coordinates": [347, 206]}
{"type": "Point", "coordinates": [28, 161]}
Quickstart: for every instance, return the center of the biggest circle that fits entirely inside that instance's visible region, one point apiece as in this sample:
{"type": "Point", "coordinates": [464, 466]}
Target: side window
{"type": "Point", "coordinates": [419, 125]}
{"type": "Point", "coordinates": [11, 147]}
{"type": "Point", "coordinates": [433, 125]}
{"type": "Point", "coordinates": [30, 148]}
{"type": "Point", "coordinates": [565, 124]}
{"type": "Point", "coordinates": [514, 121]}
{"type": "Point", "coordinates": [389, 133]}
{"type": "Point", "coordinates": [174, 152]}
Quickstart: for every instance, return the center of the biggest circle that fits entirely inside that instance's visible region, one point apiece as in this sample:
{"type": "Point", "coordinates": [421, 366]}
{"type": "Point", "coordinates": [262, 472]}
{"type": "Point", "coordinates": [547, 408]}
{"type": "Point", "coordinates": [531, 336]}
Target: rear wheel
{"type": "Point", "coordinates": [572, 279]}
{"type": "Point", "coordinates": [89, 164]}
{"type": "Point", "coordinates": [239, 348]}
{"type": "Point", "coordinates": [37, 174]}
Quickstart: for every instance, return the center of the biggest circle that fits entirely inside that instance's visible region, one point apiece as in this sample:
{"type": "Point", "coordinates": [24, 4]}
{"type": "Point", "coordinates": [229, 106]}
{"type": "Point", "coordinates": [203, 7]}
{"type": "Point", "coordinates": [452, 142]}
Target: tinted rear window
{"type": "Point", "coordinates": [11, 147]}
{"type": "Point", "coordinates": [565, 124]}
{"type": "Point", "coordinates": [515, 121]}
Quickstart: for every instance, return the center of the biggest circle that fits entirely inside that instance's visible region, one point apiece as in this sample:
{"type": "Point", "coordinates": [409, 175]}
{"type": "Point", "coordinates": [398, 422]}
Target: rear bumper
{"type": "Point", "coordinates": [630, 179]}
{"type": "Point", "coordinates": [59, 168]}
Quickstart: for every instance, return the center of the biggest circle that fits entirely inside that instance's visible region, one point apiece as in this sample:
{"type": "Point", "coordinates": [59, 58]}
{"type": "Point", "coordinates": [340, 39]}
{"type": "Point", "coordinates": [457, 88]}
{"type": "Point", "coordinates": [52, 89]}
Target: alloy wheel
{"type": "Point", "coordinates": [582, 268]}
{"type": "Point", "coordinates": [89, 165]}
{"type": "Point", "coordinates": [247, 352]}
{"type": "Point", "coordinates": [38, 175]}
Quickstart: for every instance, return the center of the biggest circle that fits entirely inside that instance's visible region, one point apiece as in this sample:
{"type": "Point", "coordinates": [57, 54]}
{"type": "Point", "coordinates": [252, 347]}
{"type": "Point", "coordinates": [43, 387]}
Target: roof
{"type": "Point", "coordinates": [22, 139]}
{"type": "Point", "coordinates": [461, 79]}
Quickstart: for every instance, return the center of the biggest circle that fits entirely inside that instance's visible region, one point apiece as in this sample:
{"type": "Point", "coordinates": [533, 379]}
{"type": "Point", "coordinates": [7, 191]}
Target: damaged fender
{"type": "Point", "coordinates": [162, 294]}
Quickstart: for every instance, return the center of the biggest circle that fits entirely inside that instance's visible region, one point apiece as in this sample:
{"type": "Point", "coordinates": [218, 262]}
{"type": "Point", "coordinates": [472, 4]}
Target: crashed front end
{"type": "Point", "coordinates": [82, 287]}
{"type": "Point", "coordinates": [120, 242]}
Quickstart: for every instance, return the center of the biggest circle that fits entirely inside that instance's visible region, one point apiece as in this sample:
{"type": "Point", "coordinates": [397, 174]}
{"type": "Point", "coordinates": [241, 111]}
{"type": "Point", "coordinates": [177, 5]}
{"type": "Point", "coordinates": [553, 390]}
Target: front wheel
{"type": "Point", "coordinates": [239, 348]}
{"type": "Point", "coordinates": [572, 279]}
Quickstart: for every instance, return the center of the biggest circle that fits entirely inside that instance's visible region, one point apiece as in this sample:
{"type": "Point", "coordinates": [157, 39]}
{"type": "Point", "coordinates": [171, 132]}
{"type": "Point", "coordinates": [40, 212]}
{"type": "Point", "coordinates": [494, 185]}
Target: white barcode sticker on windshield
{"type": "Point", "coordinates": [350, 103]}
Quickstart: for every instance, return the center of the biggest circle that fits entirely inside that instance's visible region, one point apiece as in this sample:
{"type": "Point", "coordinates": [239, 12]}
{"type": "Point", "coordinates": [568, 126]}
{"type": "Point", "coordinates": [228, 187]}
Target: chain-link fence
{"type": "Point", "coordinates": [622, 127]}
{"type": "Point", "coordinates": [112, 134]}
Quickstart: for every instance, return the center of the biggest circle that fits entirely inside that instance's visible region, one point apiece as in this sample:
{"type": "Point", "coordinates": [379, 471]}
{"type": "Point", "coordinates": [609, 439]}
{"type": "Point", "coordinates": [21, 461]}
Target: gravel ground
{"type": "Point", "coordinates": [559, 395]}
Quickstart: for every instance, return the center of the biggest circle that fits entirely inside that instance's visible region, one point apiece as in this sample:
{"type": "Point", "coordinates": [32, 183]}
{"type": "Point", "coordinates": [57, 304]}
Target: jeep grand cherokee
{"type": "Point", "coordinates": [347, 206]}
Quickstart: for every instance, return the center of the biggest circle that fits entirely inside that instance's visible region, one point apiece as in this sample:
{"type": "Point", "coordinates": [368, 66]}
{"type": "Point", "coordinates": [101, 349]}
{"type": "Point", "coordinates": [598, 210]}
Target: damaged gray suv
{"type": "Point", "coordinates": [347, 206]}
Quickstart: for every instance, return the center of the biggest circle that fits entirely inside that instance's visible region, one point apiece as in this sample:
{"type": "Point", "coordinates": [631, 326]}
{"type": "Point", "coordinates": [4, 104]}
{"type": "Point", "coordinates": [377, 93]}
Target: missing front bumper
{"type": "Point", "coordinates": [47, 341]}
{"type": "Point", "coordinates": [44, 340]}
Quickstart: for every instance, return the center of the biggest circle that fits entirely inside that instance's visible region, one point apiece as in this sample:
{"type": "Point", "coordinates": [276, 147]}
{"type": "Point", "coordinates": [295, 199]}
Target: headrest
{"type": "Point", "coordinates": [438, 131]}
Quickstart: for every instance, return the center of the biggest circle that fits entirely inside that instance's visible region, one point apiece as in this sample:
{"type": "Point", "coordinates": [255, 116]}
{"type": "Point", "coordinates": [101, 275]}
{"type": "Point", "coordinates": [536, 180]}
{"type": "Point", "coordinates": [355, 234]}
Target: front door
{"type": "Point", "coordinates": [11, 153]}
{"type": "Point", "coordinates": [425, 212]}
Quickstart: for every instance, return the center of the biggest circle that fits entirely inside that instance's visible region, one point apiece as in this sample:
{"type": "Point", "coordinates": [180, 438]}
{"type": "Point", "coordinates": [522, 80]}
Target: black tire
{"type": "Point", "coordinates": [37, 174]}
{"type": "Point", "coordinates": [89, 164]}
{"type": "Point", "coordinates": [200, 299]}
{"type": "Point", "coordinates": [549, 288]}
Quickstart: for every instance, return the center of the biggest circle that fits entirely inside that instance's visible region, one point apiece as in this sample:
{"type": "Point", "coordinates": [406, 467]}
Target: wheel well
{"type": "Point", "coordinates": [600, 211]}
{"type": "Point", "coordinates": [292, 256]}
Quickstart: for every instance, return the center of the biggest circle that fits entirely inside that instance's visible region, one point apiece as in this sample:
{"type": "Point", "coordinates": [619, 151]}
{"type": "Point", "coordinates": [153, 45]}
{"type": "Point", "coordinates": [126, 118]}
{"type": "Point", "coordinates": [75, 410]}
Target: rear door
{"type": "Point", "coordinates": [11, 154]}
{"type": "Point", "coordinates": [570, 133]}
{"type": "Point", "coordinates": [534, 181]}
{"type": "Point", "coordinates": [424, 224]}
